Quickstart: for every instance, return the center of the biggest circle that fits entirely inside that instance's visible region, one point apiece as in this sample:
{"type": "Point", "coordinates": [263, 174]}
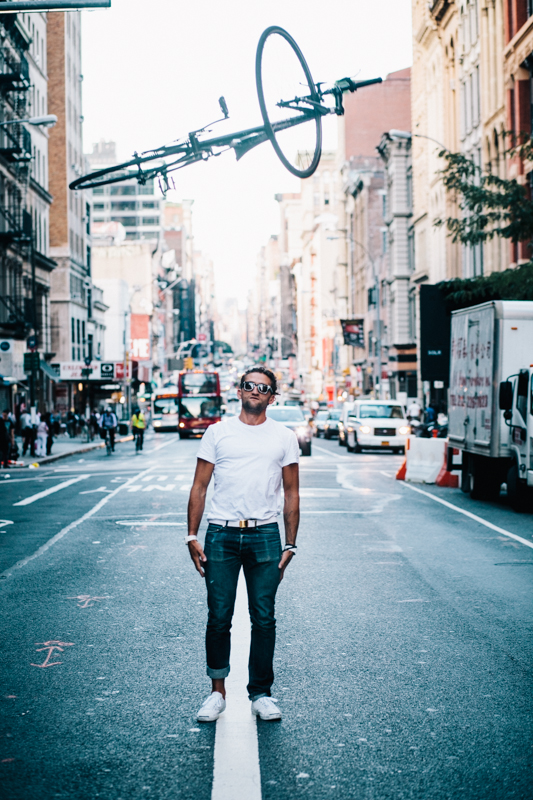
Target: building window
{"type": "Point", "coordinates": [384, 241]}
{"type": "Point", "coordinates": [73, 337]}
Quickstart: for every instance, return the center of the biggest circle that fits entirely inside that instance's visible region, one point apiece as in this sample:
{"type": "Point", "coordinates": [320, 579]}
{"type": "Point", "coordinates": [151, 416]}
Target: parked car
{"type": "Point", "coordinates": [318, 422]}
{"type": "Point", "coordinates": [331, 425]}
{"type": "Point", "coordinates": [377, 425]}
{"type": "Point", "coordinates": [292, 417]}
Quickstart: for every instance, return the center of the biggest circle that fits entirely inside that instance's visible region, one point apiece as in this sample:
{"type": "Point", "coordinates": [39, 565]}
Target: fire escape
{"type": "Point", "coordinates": [17, 288]}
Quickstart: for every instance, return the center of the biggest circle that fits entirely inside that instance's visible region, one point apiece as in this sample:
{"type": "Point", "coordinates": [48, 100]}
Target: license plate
{"type": "Point", "coordinates": [384, 444]}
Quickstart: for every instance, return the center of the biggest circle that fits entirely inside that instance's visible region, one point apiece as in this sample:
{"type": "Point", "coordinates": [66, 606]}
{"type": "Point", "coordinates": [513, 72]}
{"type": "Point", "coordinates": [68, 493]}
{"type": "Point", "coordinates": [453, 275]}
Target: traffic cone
{"type": "Point", "coordinates": [400, 475]}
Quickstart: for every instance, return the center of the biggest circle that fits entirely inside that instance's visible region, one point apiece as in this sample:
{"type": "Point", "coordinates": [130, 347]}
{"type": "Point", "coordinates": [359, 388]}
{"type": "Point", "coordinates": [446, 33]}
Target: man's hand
{"type": "Point", "coordinates": [284, 563]}
{"type": "Point", "coordinates": [198, 556]}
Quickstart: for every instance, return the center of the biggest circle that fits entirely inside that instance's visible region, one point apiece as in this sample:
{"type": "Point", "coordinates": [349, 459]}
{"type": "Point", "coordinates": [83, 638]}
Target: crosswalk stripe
{"type": "Point", "coordinates": [51, 490]}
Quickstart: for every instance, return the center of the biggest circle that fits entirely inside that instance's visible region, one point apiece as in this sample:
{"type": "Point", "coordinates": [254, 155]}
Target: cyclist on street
{"type": "Point", "coordinates": [138, 423]}
{"type": "Point", "coordinates": [109, 422]}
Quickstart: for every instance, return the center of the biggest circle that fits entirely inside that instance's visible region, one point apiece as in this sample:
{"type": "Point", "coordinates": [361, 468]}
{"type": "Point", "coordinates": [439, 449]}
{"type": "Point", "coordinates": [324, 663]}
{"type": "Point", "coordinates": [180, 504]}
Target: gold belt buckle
{"type": "Point", "coordinates": [243, 523]}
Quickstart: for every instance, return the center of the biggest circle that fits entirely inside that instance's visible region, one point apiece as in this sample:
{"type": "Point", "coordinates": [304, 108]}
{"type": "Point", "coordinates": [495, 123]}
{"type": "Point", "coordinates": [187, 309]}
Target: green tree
{"type": "Point", "coordinates": [489, 207]}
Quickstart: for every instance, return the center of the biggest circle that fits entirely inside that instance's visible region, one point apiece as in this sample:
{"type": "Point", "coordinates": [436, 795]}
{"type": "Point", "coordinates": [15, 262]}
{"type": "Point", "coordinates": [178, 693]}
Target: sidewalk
{"type": "Point", "coordinates": [64, 446]}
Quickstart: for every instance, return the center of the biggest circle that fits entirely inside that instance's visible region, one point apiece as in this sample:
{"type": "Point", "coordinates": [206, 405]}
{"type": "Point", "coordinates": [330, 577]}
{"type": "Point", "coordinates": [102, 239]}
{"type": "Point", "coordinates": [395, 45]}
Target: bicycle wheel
{"type": "Point", "coordinates": [289, 102]}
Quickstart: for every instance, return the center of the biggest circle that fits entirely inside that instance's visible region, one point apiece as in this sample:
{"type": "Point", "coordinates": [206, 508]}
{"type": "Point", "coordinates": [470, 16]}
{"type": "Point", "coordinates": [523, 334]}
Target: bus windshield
{"type": "Point", "coordinates": [198, 383]}
{"type": "Point", "coordinates": [200, 407]}
{"type": "Point", "coordinates": [166, 405]}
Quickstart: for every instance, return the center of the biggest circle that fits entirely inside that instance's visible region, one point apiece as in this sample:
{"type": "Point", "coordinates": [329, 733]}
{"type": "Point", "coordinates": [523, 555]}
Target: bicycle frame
{"type": "Point", "coordinates": [193, 149]}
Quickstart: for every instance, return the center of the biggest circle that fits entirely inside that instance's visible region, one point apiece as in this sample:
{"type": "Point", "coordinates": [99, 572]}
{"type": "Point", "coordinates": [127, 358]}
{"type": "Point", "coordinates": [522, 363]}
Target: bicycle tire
{"type": "Point", "coordinates": [269, 126]}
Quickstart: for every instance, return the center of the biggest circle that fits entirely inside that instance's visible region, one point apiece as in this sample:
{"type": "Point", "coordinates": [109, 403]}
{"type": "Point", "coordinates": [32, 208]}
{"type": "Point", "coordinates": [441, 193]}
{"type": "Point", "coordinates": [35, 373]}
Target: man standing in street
{"type": "Point", "coordinates": [250, 456]}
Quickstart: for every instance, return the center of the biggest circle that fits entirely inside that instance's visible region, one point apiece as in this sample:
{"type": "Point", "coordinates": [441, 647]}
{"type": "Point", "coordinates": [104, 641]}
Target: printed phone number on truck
{"type": "Point", "coordinates": [459, 400]}
{"type": "Point", "coordinates": [460, 349]}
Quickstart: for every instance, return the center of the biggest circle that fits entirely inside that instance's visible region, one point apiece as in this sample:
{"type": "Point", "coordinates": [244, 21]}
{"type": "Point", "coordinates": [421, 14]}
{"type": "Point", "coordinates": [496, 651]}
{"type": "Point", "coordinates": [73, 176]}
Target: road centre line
{"type": "Point", "coordinates": [47, 545]}
{"type": "Point", "coordinates": [51, 490]}
{"type": "Point", "coordinates": [472, 516]}
{"type": "Point", "coordinates": [236, 771]}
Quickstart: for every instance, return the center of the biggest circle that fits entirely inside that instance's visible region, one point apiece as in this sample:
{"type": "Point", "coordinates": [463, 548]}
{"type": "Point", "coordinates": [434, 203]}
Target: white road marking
{"type": "Point", "coordinates": [472, 516]}
{"type": "Point", "coordinates": [329, 453]}
{"type": "Point", "coordinates": [4, 522]}
{"type": "Point", "coordinates": [47, 545]}
{"type": "Point", "coordinates": [133, 523]}
{"type": "Point", "coordinates": [51, 490]}
{"type": "Point", "coordinates": [236, 758]}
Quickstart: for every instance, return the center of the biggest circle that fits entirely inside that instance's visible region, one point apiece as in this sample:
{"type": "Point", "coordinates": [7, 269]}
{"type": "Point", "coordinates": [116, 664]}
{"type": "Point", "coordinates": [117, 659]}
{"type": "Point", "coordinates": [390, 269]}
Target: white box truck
{"type": "Point", "coordinates": [490, 402]}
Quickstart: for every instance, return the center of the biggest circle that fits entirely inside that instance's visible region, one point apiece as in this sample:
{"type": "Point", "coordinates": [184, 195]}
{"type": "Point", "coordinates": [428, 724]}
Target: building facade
{"type": "Point", "coordinates": [26, 267]}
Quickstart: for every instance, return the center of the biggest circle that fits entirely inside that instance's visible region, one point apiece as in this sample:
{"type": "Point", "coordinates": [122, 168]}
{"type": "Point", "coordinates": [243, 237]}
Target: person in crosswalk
{"type": "Point", "coordinates": [250, 456]}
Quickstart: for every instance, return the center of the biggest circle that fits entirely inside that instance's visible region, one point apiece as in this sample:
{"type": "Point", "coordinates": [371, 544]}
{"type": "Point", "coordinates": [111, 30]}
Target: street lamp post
{"type": "Point", "coordinates": [47, 121]}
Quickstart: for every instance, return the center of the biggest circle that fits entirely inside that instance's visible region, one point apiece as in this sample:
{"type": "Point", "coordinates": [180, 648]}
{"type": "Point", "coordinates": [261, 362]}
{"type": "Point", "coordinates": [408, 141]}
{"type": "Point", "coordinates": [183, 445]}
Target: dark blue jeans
{"type": "Point", "coordinates": [258, 551]}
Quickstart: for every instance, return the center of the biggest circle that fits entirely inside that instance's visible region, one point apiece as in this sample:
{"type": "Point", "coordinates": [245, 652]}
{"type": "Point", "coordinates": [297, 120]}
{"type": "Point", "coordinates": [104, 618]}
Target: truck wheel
{"type": "Point", "coordinates": [484, 481]}
{"type": "Point", "coordinates": [517, 491]}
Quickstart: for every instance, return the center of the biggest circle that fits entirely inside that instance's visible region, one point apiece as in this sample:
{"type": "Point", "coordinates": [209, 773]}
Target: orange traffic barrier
{"type": "Point", "coordinates": [445, 477]}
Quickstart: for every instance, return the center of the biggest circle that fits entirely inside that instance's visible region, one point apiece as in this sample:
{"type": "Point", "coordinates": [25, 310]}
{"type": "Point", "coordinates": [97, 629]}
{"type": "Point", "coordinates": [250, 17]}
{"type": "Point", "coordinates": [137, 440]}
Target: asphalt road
{"type": "Point", "coordinates": [403, 664]}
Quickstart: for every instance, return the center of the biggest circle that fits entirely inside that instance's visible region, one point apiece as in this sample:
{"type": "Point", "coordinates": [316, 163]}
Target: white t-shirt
{"type": "Point", "coordinates": [248, 460]}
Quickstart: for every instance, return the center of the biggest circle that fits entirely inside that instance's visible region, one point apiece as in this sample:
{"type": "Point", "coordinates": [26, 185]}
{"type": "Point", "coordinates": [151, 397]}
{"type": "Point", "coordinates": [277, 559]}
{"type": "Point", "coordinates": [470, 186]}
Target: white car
{"type": "Point", "coordinates": [377, 425]}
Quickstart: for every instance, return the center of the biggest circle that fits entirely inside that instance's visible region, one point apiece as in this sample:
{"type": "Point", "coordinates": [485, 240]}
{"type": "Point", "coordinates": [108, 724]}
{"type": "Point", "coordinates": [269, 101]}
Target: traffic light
{"type": "Point", "coordinates": [188, 363]}
{"type": "Point", "coordinates": [32, 362]}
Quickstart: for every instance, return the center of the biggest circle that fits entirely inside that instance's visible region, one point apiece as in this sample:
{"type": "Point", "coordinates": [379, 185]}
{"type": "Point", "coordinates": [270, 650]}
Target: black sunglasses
{"type": "Point", "coordinates": [262, 388]}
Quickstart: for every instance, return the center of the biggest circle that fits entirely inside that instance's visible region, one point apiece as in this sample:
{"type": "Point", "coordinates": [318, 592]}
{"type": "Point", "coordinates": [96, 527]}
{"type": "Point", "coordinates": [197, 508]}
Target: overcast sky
{"type": "Point", "coordinates": [154, 69]}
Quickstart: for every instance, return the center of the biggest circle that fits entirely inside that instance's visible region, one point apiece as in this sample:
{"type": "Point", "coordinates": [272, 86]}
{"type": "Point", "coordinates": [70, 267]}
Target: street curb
{"type": "Point", "coordinates": [87, 449]}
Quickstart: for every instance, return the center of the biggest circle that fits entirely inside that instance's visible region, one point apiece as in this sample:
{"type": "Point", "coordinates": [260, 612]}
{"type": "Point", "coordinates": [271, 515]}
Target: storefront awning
{"type": "Point", "coordinates": [47, 369]}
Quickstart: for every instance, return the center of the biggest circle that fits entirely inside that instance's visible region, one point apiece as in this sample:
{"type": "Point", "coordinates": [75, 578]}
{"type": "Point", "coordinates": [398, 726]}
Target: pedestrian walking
{"type": "Point", "coordinates": [50, 433]}
{"type": "Point", "coordinates": [27, 433]}
{"type": "Point", "coordinates": [42, 436]}
{"type": "Point", "coordinates": [138, 424]}
{"type": "Point", "coordinates": [109, 422]}
{"type": "Point", "coordinates": [414, 410]}
{"type": "Point", "coordinates": [5, 439]}
{"type": "Point", "coordinates": [250, 456]}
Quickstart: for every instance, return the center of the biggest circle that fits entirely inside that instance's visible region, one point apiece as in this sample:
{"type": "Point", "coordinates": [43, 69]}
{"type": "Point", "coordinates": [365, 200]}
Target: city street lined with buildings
{"type": "Point", "coordinates": [357, 267]}
{"type": "Point", "coordinates": [403, 646]}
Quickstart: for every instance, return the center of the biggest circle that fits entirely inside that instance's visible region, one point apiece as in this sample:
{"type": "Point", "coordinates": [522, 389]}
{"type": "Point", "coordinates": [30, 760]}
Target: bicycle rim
{"type": "Point", "coordinates": [282, 75]}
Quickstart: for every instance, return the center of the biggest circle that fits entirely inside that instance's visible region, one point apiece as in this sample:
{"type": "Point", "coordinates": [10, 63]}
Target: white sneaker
{"type": "Point", "coordinates": [211, 708]}
{"type": "Point", "coordinates": [266, 708]}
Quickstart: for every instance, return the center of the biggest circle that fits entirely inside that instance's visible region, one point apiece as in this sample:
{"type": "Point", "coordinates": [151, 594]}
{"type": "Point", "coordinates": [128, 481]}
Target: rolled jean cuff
{"type": "Point", "coordinates": [253, 697]}
{"type": "Point", "coordinates": [217, 674]}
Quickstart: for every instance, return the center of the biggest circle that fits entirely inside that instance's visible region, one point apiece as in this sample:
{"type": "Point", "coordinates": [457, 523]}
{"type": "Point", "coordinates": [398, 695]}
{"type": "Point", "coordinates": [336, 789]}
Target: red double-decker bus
{"type": "Point", "coordinates": [199, 402]}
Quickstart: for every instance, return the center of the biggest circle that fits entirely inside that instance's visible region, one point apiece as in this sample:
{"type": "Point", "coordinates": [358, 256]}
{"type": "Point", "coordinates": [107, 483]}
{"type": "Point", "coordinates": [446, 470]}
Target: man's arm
{"type": "Point", "coordinates": [202, 476]}
{"type": "Point", "coordinates": [291, 512]}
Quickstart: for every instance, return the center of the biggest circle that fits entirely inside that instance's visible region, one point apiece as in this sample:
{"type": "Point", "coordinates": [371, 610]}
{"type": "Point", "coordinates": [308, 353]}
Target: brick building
{"type": "Point", "coordinates": [77, 331]}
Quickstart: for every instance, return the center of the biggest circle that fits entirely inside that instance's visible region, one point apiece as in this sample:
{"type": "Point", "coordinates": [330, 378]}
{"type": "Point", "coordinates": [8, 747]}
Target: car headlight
{"type": "Point", "coordinates": [364, 429]}
{"type": "Point", "coordinates": [301, 431]}
{"type": "Point", "coordinates": [157, 424]}
{"type": "Point", "coordinates": [404, 430]}
{"type": "Point", "coordinates": [350, 430]}
{"type": "Point", "coordinates": [182, 424]}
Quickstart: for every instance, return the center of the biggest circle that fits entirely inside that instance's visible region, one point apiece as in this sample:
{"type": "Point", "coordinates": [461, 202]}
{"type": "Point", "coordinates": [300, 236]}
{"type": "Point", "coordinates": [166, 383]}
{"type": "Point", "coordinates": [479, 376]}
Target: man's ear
{"type": "Point", "coordinates": [271, 399]}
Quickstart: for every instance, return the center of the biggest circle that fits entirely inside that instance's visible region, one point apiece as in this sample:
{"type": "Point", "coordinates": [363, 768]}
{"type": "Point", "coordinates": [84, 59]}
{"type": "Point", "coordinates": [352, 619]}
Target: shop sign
{"type": "Point", "coordinates": [353, 331]}
{"type": "Point", "coordinates": [140, 337]}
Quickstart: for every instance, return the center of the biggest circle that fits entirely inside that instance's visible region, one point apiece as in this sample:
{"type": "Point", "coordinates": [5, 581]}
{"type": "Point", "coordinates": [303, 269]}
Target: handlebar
{"type": "Point", "coordinates": [349, 85]}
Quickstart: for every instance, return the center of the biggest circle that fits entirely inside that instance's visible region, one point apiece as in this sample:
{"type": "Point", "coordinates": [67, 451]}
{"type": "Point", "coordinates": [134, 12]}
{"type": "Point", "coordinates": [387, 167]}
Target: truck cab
{"type": "Point", "coordinates": [516, 401]}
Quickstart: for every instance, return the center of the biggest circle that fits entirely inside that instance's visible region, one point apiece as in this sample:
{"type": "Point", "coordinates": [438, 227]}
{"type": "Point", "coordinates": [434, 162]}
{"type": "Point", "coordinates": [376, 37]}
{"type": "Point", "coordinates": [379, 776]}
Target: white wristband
{"type": "Point", "coordinates": [190, 539]}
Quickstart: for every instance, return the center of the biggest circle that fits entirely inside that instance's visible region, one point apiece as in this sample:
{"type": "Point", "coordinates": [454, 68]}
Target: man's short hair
{"type": "Point", "coordinates": [263, 371]}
